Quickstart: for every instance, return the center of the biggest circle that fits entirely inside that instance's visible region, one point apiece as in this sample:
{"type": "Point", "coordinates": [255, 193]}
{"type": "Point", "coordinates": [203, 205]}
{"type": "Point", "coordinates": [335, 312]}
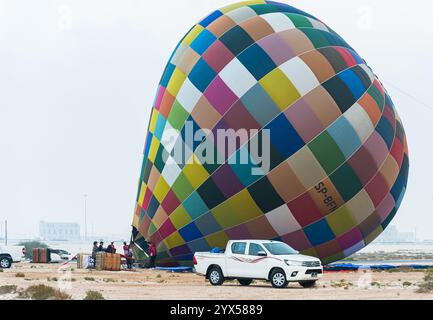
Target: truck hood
{"type": "Point", "coordinates": [298, 257]}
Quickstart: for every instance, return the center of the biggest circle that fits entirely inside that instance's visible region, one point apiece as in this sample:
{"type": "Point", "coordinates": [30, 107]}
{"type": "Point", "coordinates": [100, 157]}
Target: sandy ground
{"type": "Point", "coordinates": [154, 284]}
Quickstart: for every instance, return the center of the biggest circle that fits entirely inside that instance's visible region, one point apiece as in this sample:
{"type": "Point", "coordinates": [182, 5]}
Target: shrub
{"type": "Point", "coordinates": [20, 275]}
{"type": "Point", "coordinates": [8, 289]}
{"type": "Point", "coordinates": [93, 295]}
{"type": "Point", "coordinates": [89, 279]}
{"type": "Point", "coordinates": [341, 284]}
{"type": "Point", "coordinates": [427, 285]}
{"type": "Point", "coordinates": [43, 292]}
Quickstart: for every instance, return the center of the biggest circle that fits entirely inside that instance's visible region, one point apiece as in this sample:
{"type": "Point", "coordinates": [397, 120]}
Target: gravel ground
{"type": "Point", "coordinates": [154, 284]}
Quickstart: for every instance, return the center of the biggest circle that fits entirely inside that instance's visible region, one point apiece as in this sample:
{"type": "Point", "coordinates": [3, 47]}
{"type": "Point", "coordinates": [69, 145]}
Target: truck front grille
{"type": "Point", "coordinates": [311, 264]}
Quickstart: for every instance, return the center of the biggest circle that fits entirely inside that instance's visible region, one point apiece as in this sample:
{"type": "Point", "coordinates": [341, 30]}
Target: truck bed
{"type": "Point", "coordinates": [209, 255]}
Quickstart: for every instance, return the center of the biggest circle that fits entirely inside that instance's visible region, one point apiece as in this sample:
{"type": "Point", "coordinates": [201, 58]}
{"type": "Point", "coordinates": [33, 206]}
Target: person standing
{"type": "Point", "coordinates": [152, 254]}
{"type": "Point", "coordinates": [128, 255]}
{"type": "Point", "coordinates": [125, 249]}
{"type": "Point", "coordinates": [95, 249]}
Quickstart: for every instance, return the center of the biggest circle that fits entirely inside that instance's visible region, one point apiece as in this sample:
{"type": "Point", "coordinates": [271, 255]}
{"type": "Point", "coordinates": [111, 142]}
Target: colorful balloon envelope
{"type": "Point", "coordinates": [320, 158]}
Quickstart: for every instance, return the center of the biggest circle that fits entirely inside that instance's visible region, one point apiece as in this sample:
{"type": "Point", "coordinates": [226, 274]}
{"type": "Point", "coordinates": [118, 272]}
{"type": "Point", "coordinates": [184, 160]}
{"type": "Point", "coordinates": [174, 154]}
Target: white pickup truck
{"type": "Point", "coordinates": [9, 254]}
{"type": "Point", "coordinates": [246, 260]}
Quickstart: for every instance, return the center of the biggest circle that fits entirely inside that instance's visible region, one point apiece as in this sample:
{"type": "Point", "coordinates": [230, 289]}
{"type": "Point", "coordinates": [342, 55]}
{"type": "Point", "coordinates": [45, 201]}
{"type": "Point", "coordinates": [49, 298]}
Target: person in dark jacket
{"type": "Point", "coordinates": [101, 247]}
{"type": "Point", "coordinates": [95, 249]}
{"type": "Point", "coordinates": [111, 248]}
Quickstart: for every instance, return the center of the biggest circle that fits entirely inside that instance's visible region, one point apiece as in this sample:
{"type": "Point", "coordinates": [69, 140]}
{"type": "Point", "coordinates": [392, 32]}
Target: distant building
{"type": "Point", "coordinates": [59, 231]}
{"type": "Point", "coordinates": [393, 235]}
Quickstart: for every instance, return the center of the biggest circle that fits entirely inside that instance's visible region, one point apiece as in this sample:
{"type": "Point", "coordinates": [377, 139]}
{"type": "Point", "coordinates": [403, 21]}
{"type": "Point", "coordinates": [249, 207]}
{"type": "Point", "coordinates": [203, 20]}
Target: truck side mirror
{"type": "Point", "coordinates": [262, 254]}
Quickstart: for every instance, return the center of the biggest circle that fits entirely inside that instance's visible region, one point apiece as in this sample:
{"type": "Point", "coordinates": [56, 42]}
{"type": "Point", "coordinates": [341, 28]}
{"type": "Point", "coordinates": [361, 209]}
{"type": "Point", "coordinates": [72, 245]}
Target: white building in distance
{"type": "Point", "coordinates": [59, 231]}
{"type": "Point", "coordinates": [393, 235]}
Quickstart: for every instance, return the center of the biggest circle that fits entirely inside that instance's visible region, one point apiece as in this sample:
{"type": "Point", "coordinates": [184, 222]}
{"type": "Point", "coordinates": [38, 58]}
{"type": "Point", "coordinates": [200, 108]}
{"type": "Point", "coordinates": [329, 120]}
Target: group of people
{"type": "Point", "coordinates": [127, 252]}
{"type": "Point", "coordinates": [99, 247]}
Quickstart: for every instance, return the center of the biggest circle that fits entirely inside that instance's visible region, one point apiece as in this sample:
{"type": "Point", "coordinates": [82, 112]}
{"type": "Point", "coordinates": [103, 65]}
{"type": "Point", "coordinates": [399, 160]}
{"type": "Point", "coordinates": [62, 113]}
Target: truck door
{"type": "Point", "coordinates": [258, 264]}
{"type": "Point", "coordinates": [236, 260]}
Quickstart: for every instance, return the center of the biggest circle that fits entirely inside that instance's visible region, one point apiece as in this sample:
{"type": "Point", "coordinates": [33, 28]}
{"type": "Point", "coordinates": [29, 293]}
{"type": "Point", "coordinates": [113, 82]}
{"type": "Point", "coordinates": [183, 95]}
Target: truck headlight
{"type": "Point", "coordinates": [293, 263]}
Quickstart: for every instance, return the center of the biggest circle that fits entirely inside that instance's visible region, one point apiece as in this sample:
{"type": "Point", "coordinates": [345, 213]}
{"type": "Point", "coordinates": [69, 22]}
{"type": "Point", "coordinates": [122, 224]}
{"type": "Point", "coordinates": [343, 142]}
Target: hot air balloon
{"type": "Point", "coordinates": [333, 170]}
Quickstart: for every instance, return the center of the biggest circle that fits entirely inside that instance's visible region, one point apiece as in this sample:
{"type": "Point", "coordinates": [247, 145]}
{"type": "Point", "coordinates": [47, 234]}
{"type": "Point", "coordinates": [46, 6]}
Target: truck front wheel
{"type": "Point", "coordinates": [216, 277]}
{"type": "Point", "coordinates": [278, 278]}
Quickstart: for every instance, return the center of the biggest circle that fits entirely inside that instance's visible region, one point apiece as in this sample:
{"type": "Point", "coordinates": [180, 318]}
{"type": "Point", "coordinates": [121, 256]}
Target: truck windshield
{"type": "Point", "coordinates": [279, 248]}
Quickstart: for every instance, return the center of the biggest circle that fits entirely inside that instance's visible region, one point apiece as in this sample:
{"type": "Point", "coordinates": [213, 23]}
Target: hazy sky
{"type": "Point", "coordinates": [78, 77]}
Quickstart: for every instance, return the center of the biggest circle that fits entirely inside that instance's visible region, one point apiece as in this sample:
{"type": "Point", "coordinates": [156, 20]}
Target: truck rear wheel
{"type": "Point", "coordinates": [245, 282]}
{"type": "Point", "coordinates": [216, 277]}
{"type": "Point", "coordinates": [5, 263]}
{"type": "Point", "coordinates": [278, 278]}
{"type": "Point", "coordinates": [308, 284]}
